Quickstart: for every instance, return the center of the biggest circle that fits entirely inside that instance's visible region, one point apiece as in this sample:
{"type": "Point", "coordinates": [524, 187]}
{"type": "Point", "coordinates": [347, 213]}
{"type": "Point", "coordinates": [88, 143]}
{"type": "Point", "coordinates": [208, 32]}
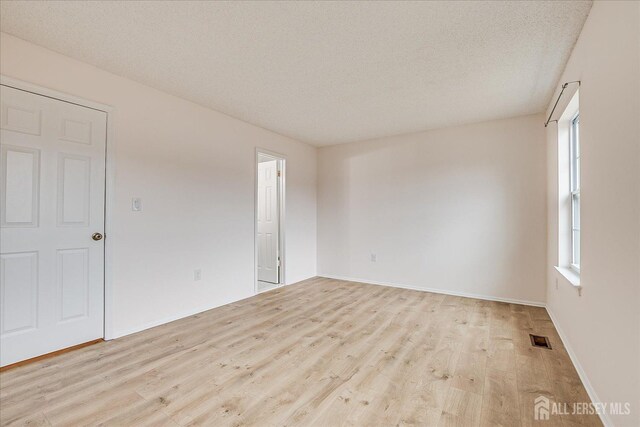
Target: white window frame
{"type": "Point", "coordinates": [574, 186]}
{"type": "Point", "coordinates": [568, 175]}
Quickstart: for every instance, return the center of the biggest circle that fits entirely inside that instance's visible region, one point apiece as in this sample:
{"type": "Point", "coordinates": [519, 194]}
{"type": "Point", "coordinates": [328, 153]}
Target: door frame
{"type": "Point", "coordinates": [109, 194]}
{"type": "Point", "coordinates": [282, 164]}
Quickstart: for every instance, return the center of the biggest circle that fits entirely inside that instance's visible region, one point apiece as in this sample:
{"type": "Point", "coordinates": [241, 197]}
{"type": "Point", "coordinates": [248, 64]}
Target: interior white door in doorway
{"type": "Point", "coordinates": [268, 222]}
{"type": "Point", "coordinates": [51, 224]}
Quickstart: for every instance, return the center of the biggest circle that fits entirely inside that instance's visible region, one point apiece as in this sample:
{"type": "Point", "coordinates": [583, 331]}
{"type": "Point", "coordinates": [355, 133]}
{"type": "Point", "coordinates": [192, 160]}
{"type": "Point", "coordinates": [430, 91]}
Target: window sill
{"type": "Point", "coordinates": [571, 275]}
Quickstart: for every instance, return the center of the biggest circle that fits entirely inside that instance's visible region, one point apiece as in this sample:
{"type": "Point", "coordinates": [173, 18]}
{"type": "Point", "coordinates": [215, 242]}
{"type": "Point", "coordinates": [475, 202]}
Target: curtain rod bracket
{"type": "Point", "coordinates": [564, 86]}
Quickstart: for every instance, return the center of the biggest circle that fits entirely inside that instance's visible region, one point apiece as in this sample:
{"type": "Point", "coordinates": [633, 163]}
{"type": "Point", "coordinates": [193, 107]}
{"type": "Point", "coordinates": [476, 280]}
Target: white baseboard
{"type": "Point", "coordinates": [169, 319]}
{"type": "Point", "coordinates": [182, 315]}
{"type": "Point", "coordinates": [437, 291]}
{"type": "Point", "coordinates": [606, 420]}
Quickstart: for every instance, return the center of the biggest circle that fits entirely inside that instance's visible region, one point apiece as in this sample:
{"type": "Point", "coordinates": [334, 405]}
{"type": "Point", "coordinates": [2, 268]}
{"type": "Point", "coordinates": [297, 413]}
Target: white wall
{"type": "Point", "coordinates": [602, 327]}
{"type": "Point", "coordinates": [194, 169]}
{"type": "Point", "coordinates": [460, 210]}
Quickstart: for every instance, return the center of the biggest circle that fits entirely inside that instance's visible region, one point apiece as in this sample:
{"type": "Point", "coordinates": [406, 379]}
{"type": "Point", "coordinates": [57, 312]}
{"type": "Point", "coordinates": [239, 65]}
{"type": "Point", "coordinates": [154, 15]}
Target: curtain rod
{"type": "Point", "coordinates": [564, 86]}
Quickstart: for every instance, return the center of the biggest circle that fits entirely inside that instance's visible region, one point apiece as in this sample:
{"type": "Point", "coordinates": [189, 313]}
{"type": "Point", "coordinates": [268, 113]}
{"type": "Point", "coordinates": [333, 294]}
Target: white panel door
{"type": "Point", "coordinates": [52, 201]}
{"type": "Point", "coordinates": [268, 222]}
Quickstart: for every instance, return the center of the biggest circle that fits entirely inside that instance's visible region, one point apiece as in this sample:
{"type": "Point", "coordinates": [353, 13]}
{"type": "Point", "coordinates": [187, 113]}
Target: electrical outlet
{"type": "Point", "coordinates": [374, 257]}
{"type": "Point", "coordinates": [197, 274]}
{"type": "Point", "coordinates": [136, 204]}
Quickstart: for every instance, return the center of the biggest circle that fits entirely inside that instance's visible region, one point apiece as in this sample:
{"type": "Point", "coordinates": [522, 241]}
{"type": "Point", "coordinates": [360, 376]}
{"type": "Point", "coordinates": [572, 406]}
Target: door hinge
{"type": "Point", "coordinates": [278, 174]}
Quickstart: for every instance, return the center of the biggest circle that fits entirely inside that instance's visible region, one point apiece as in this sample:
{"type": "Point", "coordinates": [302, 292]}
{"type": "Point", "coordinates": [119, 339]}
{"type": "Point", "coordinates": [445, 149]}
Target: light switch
{"type": "Point", "coordinates": [136, 204]}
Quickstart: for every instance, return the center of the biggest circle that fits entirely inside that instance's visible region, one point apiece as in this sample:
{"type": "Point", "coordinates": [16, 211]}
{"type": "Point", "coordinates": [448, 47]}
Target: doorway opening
{"type": "Point", "coordinates": [269, 225]}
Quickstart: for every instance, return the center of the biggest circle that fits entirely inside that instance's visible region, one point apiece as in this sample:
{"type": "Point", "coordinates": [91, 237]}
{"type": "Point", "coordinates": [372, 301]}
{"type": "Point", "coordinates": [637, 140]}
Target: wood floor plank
{"type": "Point", "coordinates": [321, 352]}
{"type": "Point", "coordinates": [500, 405]}
{"type": "Point", "coordinates": [461, 408]}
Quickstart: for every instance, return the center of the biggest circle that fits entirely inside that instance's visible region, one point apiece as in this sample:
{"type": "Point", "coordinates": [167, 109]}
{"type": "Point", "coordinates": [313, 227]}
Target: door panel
{"type": "Point", "coordinates": [268, 222]}
{"type": "Point", "coordinates": [52, 181]}
{"type": "Point", "coordinates": [19, 272]}
{"type": "Point", "coordinates": [73, 189]}
{"type": "Point", "coordinates": [73, 282]}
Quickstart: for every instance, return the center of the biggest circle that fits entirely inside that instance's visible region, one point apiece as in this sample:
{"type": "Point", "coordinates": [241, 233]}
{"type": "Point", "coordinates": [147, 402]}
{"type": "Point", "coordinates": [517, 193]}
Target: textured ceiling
{"type": "Point", "coordinates": [323, 72]}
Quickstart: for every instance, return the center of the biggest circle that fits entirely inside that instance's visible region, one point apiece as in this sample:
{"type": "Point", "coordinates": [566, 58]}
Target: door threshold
{"type": "Point", "coordinates": [52, 354]}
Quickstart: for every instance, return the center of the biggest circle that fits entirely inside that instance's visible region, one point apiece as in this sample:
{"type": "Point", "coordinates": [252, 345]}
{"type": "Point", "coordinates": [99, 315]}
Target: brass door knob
{"type": "Point", "coordinates": [96, 236]}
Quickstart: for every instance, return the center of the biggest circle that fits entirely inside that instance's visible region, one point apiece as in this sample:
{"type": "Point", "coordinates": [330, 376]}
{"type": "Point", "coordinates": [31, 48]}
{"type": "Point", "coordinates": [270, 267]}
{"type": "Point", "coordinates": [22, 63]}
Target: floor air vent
{"type": "Point", "coordinates": [539, 341]}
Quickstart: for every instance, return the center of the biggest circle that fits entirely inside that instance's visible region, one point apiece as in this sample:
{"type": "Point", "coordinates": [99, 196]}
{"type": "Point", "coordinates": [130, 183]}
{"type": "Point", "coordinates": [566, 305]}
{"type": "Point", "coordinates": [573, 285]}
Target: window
{"type": "Point", "coordinates": [574, 156]}
{"type": "Point", "coordinates": [568, 201]}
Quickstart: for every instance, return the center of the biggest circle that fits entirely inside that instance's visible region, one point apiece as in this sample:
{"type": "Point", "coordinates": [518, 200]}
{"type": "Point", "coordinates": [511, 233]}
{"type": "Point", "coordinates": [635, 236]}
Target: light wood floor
{"type": "Point", "coordinates": [322, 352]}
